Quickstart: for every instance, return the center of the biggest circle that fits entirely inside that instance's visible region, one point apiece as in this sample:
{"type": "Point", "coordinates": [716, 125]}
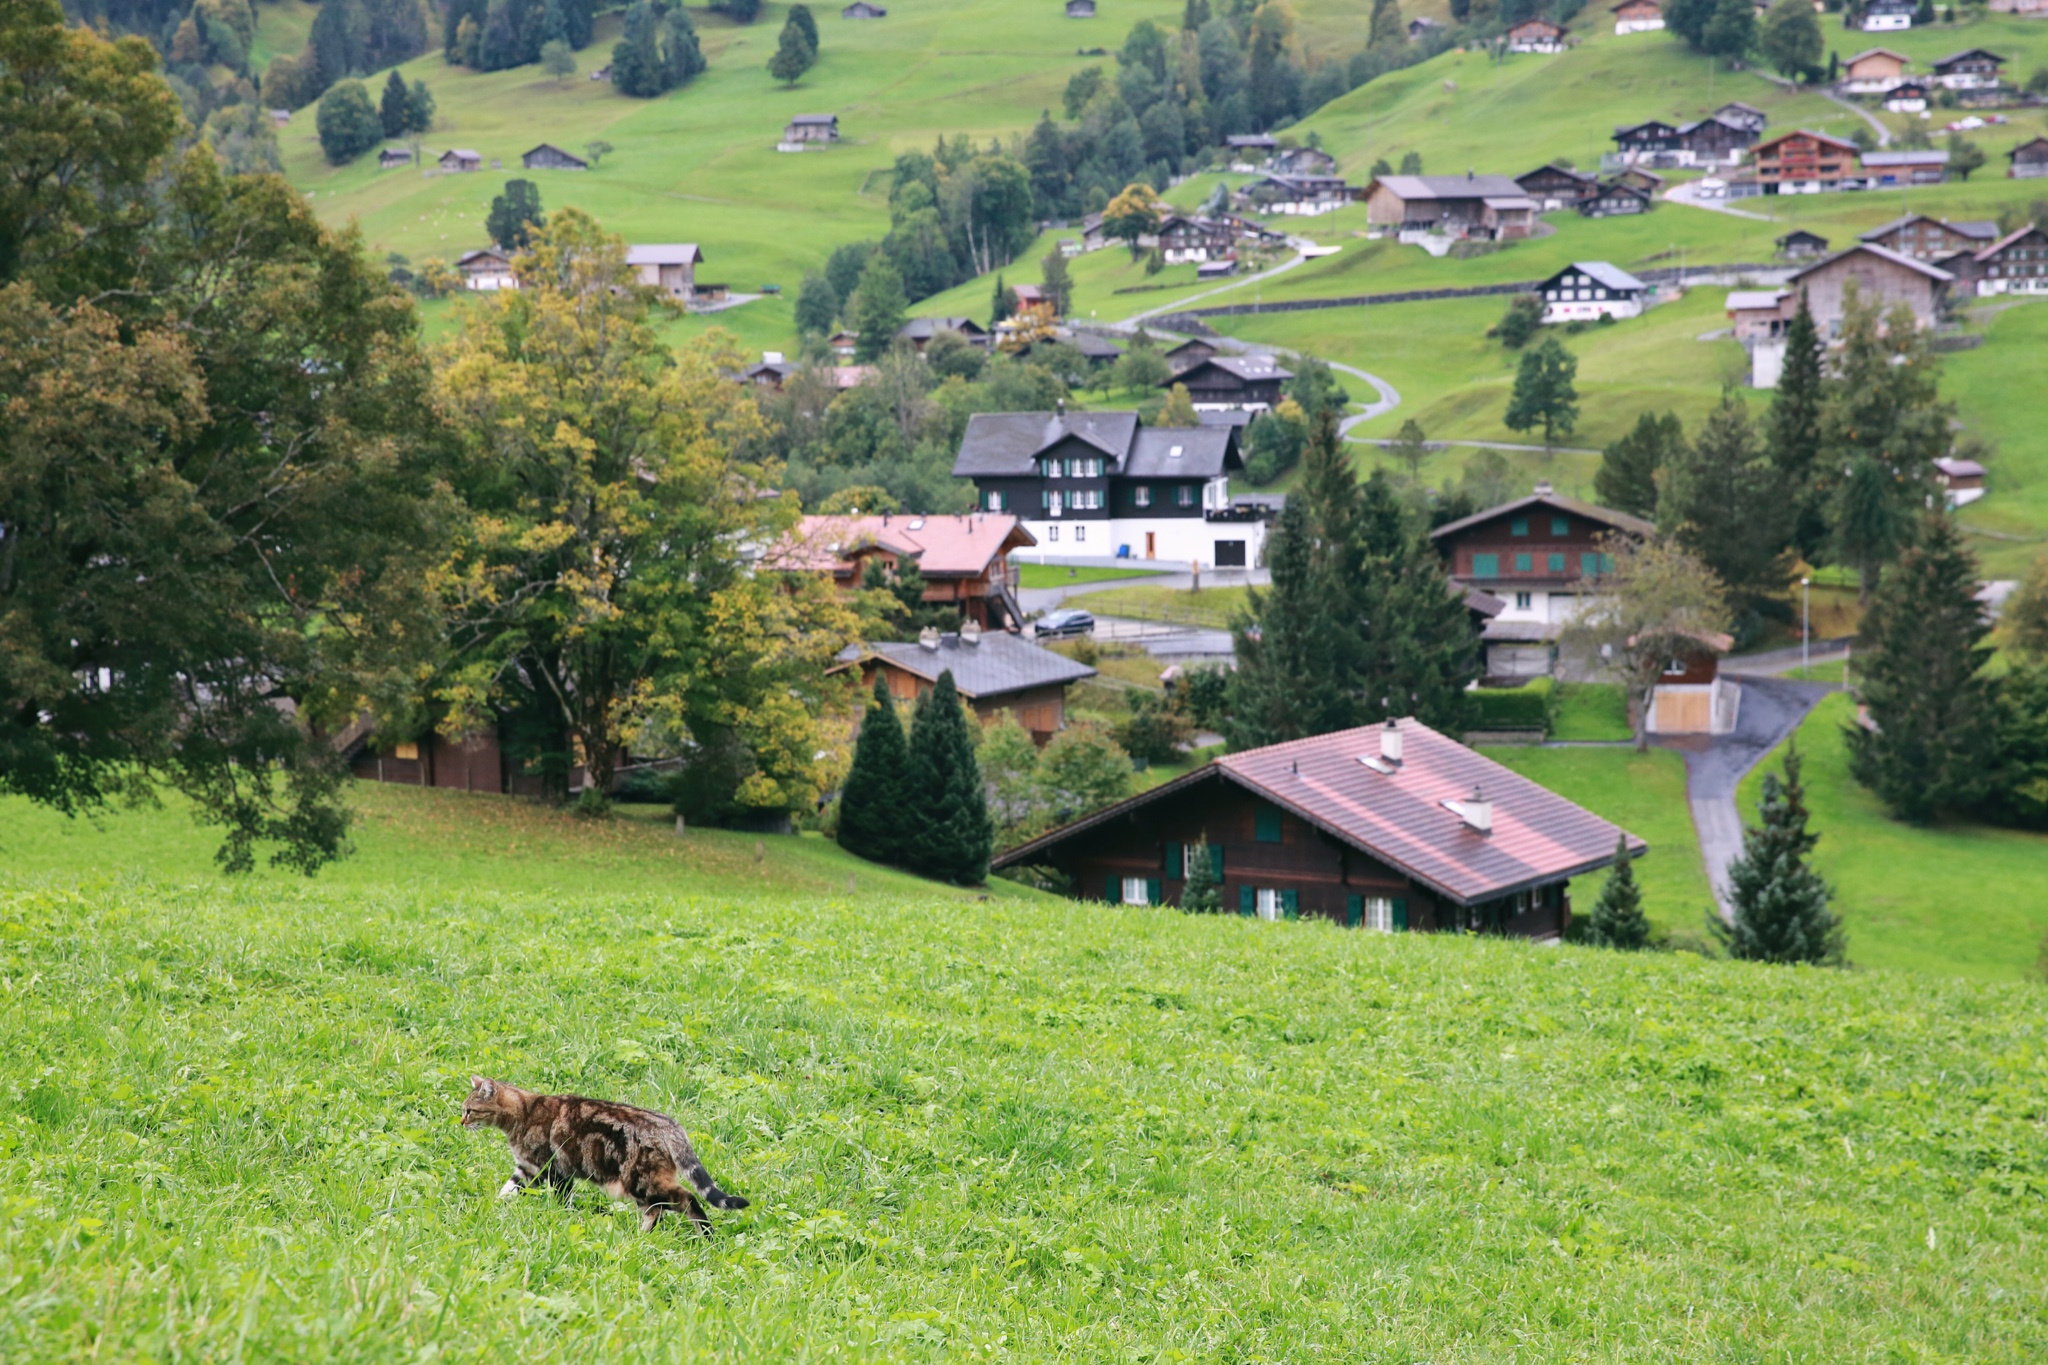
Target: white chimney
{"type": "Point", "coordinates": [1478, 812]}
{"type": "Point", "coordinates": [970, 633]}
{"type": "Point", "coordinates": [928, 638]}
{"type": "Point", "coordinates": [1390, 741]}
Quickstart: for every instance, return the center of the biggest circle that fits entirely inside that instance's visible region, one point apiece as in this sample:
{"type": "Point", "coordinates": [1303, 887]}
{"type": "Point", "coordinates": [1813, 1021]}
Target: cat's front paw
{"type": "Point", "coordinates": [509, 1189]}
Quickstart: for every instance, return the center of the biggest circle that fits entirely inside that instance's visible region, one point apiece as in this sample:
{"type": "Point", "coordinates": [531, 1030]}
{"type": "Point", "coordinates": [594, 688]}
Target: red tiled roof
{"type": "Point", "coordinates": [953, 546]}
{"type": "Point", "coordinates": [1400, 818]}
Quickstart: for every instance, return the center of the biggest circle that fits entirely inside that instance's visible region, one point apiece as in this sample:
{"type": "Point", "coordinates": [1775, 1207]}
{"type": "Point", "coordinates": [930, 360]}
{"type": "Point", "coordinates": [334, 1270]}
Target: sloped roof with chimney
{"type": "Point", "coordinates": [984, 665]}
{"type": "Point", "coordinates": [955, 545]}
{"type": "Point", "coordinates": [1409, 813]}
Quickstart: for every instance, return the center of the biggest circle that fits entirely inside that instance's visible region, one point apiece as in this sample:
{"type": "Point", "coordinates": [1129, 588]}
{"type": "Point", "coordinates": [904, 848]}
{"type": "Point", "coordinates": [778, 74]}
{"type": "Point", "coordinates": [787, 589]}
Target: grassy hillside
{"type": "Point", "coordinates": [1961, 898]}
{"type": "Point", "coordinates": [1007, 1131]}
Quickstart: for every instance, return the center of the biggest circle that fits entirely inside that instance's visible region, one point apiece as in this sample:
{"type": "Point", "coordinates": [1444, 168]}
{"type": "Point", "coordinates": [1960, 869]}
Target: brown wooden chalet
{"type": "Point", "coordinates": [1932, 239]}
{"type": "Point", "coordinates": [919, 332]}
{"type": "Point", "coordinates": [1490, 207]}
{"type": "Point", "coordinates": [1613, 199]}
{"type": "Point", "coordinates": [1556, 187]}
{"type": "Point", "coordinates": [472, 763]}
{"type": "Point", "coordinates": [1188, 354]}
{"type": "Point", "coordinates": [963, 558]}
{"type": "Point", "coordinates": [995, 671]}
{"type": "Point", "coordinates": [1392, 828]}
{"type": "Point", "coordinates": [1801, 245]}
{"type": "Point", "coordinates": [1184, 238]}
{"type": "Point", "coordinates": [1252, 382]}
{"type": "Point", "coordinates": [1803, 158]}
{"type": "Point", "coordinates": [2029, 160]}
{"type": "Point", "coordinates": [1536, 554]}
{"type": "Point", "coordinates": [549, 157]}
{"type": "Point", "coordinates": [1535, 35]}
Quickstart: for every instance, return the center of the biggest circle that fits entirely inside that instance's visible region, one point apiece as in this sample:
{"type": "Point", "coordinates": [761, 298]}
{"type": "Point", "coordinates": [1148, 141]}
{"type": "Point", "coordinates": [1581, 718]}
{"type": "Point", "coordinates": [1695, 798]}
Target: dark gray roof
{"type": "Point", "coordinates": [1467, 186]}
{"type": "Point", "coordinates": [999, 664]}
{"type": "Point", "coordinates": [1197, 452]}
{"type": "Point", "coordinates": [1621, 521]}
{"type": "Point", "coordinates": [1007, 442]}
{"type": "Point", "coordinates": [1227, 417]}
{"type": "Point", "coordinates": [1093, 346]}
{"type": "Point", "coordinates": [1983, 229]}
{"type": "Point", "coordinates": [1613, 276]}
{"type": "Point", "coordinates": [1246, 367]}
{"type": "Point", "coordinates": [815, 118]}
{"type": "Point", "coordinates": [924, 329]}
{"type": "Point", "coordinates": [1934, 157]}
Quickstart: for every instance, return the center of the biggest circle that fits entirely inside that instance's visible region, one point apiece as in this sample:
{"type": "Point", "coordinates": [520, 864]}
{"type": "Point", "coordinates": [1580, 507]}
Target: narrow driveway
{"type": "Point", "coordinates": [1771, 709]}
{"type": "Point", "coordinates": [1228, 286]}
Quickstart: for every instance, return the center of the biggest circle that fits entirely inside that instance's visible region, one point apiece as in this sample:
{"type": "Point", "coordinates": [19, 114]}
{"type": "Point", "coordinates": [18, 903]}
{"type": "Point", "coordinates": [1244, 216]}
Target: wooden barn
{"type": "Point", "coordinates": [549, 157]}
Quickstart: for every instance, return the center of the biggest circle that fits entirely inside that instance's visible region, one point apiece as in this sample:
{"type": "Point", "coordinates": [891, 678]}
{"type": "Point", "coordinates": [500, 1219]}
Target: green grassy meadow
{"type": "Point", "coordinates": [1962, 899]}
{"type": "Point", "coordinates": [1059, 576]}
{"type": "Point", "coordinates": [1021, 1129]}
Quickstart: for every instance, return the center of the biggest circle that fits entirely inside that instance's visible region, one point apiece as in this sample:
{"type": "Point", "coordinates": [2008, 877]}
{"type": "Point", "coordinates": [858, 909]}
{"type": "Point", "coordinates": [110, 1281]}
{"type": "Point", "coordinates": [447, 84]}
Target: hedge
{"type": "Point", "coordinates": [1527, 707]}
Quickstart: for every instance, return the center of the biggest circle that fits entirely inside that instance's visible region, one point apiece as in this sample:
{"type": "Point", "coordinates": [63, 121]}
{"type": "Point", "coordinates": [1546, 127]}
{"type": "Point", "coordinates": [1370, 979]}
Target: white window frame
{"type": "Point", "coordinates": [1137, 891]}
{"type": "Point", "coordinates": [995, 499]}
{"type": "Point", "coordinates": [1052, 532]}
{"type": "Point", "coordinates": [1141, 496]}
{"type": "Point", "coordinates": [1270, 903]}
{"type": "Point", "coordinates": [1080, 530]}
{"type": "Point", "coordinates": [1378, 914]}
{"type": "Point", "coordinates": [1184, 495]}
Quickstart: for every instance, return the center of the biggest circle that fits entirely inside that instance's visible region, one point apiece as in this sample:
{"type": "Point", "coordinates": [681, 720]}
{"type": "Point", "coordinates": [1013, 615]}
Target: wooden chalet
{"type": "Point", "coordinates": [1653, 137]}
{"type": "Point", "coordinates": [1803, 161]}
{"type": "Point", "coordinates": [472, 763]}
{"type": "Point", "coordinates": [1973, 68]}
{"type": "Point", "coordinates": [1887, 16]}
{"type": "Point", "coordinates": [1421, 26]}
{"type": "Point", "coordinates": [670, 267]}
{"type": "Point", "coordinates": [549, 157]}
{"type": "Point", "coordinates": [1615, 198]}
{"type": "Point", "coordinates": [487, 270]}
{"type": "Point", "coordinates": [1692, 698]}
{"type": "Point", "coordinates": [807, 128]}
{"type": "Point", "coordinates": [994, 671]}
{"type": "Point", "coordinates": [1873, 71]}
{"type": "Point", "coordinates": [963, 558]}
{"type": "Point", "coordinates": [1536, 554]}
{"type": "Point", "coordinates": [1801, 245]}
{"type": "Point", "coordinates": [1585, 290]}
{"type": "Point", "coordinates": [1637, 16]}
{"type": "Point", "coordinates": [1925, 238]}
{"type": "Point", "coordinates": [1184, 238]}
{"type": "Point", "coordinates": [1962, 481]}
{"type": "Point", "coordinates": [1301, 196]}
{"type": "Point", "coordinates": [2029, 160]}
{"type": "Point", "coordinates": [1490, 207]}
{"type": "Point", "coordinates": [1080, 9]}
{"type": "Point", "coordinates": [1556, 187]}
{"type": "Point", "coordinates": [1251, 382]}
{"type": "Point", "coordinates": [1878, 273]}
{"type": "Point", "coordinates": [842, 344]}
{"type": "Point", "coordinates": [1188, 354]}
{"type": "Point", "coordinates": [2015, 264]}
{"type": "Point", "coordinates": [1393, 828]}
{"type": "Point", "coordinates": [461, 159]}
{"type": "Point", "coordinates": [1907, 97]}
{"type": "Point", "coordinates": [771, 372]}
{"type": "Point", "coordinates": [1309, 161]}
{"type": "Point", "coordinates": [388, 157]}
{"type": "Point", "coordinates": [1252, 144]}
{"type": "Point", "coordinates": [1747, 117]}
{"type": "Point", "coordinates": [1535, 35]}
{"type": "Point", "coordinates": [919, 332]}
{"type": "Point", "coordinates": [861, 9]}
{"type": "Point", "coordinates": [1714, 140]}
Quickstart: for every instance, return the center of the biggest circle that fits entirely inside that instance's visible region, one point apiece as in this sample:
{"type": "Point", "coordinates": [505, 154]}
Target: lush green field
{"type": "Point", "coordinates": [1058, 576]}
{"type": "Point", "coordinates": [1022, 1130]}
{"type": "Point", "coordinates": [1644, 794]}
{"type": "Point", "coordinates": [1591, 711]}
{"type": "Point", "coordinates": [1966, 900]}
{"type": "Point", "coordinates": [1216, 607]}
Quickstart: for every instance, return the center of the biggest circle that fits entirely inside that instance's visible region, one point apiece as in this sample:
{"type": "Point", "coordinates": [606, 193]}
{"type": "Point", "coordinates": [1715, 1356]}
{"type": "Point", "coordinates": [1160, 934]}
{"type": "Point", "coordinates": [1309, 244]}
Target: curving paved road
{"type": "Point", "coordinates": [1772, 708]}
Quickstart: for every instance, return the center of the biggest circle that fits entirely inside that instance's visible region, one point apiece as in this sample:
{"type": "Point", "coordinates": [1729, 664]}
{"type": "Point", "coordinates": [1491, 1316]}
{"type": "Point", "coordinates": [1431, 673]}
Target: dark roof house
{"type": "Point", "coordinates": [549, 157]}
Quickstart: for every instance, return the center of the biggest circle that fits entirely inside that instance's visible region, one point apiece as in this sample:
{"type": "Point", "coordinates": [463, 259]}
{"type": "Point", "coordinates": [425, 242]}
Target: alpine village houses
{"type": "Point", "coordinates": [1096, 484]}
{"type": "Point", "coordinates": [1388, 827]}
{"type": "Point", "coordinates": [963, 558]}
{"type": "Point", "coordinates": [995, 671]}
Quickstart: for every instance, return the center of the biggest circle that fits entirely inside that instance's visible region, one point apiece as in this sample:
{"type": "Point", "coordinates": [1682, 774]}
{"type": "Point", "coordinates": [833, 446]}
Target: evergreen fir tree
{"type": "Point", "coordinates": [1721, 498]}
{"type": "Point", "coordinates": [1617, 920]}
{"type": "Point", "coordinates": [1201, 893]}
{"type": "Point", "coordinates": [395, 110]}
{"type": "Point", "coordinates": [636, 57]}
{"type": "Point", "coordinates": [800, 15]}
{"type": "Point", "coordinates": [949, 835]}
{"type": "Point", "coordinates": [1627, 477]}
{"type": "Point", "coordinates": [1920, 669]}
{"type": "Point", "coordinates": [1792, 431]}
{"type": "Point", "coordinates": [1417, 650]}
{"type": "Point", "coordinates": [794, 54]}
{"type": "Point", "coordinates": [871, 804]}
{"type": "Point", "coordinates": [1778, 906]}
{"type": "Point", "coordinates": [681, 57]}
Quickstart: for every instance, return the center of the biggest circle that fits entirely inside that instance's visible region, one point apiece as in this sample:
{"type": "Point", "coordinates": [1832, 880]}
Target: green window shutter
{"type": "Point", "coordinates": [1266, 825]}
{"type": "Point", "coordinates": [1113, 890]}
{"type": "Point", "coordinates": [1519, 526]}
{"type": "Point", "coordinates": [1560, 526]}
{"type": "Point", "coordinates": [1400, 914]}
{"type": "Point", "coordinates": [1153, 894]}
{"type": "Point", "coordinates": [1175, 856]}
{"type": "Point", "coordinates": [1557, 561]}
{"type": "Point", "coordinates": [1485, 566]}
{"type": "Point", "coordinates": [1524, 563]}
{"type": "Point", "coordinates": [1216, 861]}
{"type": "Point", "coordinates": [1247, 900]}
{"type": "Point", "coordinates": [1354, 911]}
{"type": "Point", "coordinates": [1290, 905]}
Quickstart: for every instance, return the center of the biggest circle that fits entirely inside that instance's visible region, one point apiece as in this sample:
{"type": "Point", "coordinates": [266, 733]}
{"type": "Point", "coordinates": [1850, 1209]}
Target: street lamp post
{"type": "Point", "coordinates": [1805, 623]}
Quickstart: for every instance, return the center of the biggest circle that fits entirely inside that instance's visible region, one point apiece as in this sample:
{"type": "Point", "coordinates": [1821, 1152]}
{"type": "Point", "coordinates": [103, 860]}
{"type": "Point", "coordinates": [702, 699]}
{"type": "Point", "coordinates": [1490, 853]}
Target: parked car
{"type": "Point", "coordinates": [1058, 625]}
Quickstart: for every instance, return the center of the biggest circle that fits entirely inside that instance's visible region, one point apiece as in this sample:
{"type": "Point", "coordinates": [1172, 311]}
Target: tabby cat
{"type": "Point", "coordinates": [631, 1153]}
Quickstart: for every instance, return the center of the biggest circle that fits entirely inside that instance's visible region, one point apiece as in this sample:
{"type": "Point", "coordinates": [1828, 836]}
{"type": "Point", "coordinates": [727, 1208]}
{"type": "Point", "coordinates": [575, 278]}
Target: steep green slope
{"type": "Point", "coordinates": [989, 1132]}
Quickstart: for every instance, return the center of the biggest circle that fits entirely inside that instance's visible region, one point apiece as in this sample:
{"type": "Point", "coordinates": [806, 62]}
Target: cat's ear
{"type": "Point", "coordinates": [483, 1088]}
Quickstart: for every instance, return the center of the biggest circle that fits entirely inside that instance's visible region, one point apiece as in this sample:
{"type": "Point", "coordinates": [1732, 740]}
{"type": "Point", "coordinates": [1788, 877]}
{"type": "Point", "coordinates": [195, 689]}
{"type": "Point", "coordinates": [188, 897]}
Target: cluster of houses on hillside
{"type": "Point", "coordinates": [1719, 139]}
{"type": "Point", "coordinates": [670, 267]}
{"type": "Point", "coordinates": [1973, 78]}
{"type": "Point", "coordinates": [458, 160]}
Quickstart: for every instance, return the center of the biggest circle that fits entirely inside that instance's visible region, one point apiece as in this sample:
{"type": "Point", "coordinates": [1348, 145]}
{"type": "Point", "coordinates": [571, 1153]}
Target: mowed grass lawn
{"type": "Point", "coordinates": [1956, 898]}
{"type": "Point", "coordinates": [1020, 1130]}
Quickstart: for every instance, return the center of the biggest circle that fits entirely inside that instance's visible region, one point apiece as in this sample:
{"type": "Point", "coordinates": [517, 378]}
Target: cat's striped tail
{"type": "Point", "coordinates": [708, 1187]}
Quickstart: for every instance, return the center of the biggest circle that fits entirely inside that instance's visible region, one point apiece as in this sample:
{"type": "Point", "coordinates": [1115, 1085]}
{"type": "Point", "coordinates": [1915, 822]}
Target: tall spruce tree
{"type": "Point", "coordinates": [1721, 500]}
{"type": "Point", "coordinates": [1792, 431]}
{"type": "Point", "coordinates": [1627, 477]}
{"type": "Point", "coordinates": [1932, 738]}
{"type": "Point", "coordinates": [1416, 648]}
{"type": "Point", "coordinates": [1778, 906]}
{"type": "Point", "coordinates": [872, 803]}
{"type": "Point", "coordinates": [1617, 920]}
{"type": "Point", "coordinates": [949, 835]}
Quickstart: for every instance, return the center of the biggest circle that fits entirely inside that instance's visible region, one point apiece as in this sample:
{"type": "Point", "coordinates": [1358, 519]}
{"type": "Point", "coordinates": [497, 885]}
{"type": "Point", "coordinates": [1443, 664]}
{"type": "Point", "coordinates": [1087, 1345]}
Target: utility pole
{"type": "Point", "coordinates": [1805, 623]}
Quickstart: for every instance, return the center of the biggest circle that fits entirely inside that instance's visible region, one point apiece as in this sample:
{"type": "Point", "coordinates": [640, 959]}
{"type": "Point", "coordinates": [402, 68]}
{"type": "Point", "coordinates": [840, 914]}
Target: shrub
{"type": "Point", "coordinates": [348, 123]}
{"type": "Point", "coordinates": [1527, 707]}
